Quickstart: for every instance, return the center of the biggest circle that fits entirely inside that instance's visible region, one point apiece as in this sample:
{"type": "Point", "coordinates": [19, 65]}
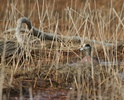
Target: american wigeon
{"type": "Point", "coordinates": [88, 59]}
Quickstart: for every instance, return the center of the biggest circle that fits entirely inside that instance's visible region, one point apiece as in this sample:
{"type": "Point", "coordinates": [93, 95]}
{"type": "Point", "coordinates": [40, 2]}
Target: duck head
{"type": "Point", "coordinates": [87, 49]}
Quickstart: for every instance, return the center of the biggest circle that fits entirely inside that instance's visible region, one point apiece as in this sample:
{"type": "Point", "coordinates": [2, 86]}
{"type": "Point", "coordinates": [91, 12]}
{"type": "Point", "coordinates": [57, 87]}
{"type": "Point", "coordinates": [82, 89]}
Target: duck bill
{"type": "Point", "coordinates": [81, 49]}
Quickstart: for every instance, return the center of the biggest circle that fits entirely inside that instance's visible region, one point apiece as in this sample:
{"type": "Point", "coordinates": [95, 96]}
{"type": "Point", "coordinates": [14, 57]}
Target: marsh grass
{"type": "Point", "coordinates": [44, 64]}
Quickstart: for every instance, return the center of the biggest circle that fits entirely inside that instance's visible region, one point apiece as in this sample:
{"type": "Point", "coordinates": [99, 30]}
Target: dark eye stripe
{"type": "Point", "coordinates": [87, 45]}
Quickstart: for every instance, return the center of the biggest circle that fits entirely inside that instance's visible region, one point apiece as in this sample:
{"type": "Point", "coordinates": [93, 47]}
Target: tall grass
{"type": "Point", "coordinates": [44, 63]}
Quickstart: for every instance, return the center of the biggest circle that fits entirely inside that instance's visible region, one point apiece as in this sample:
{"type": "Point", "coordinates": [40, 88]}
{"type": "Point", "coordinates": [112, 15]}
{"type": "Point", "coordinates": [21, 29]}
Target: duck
{"type": "Point", "coordinates": [88, 58]}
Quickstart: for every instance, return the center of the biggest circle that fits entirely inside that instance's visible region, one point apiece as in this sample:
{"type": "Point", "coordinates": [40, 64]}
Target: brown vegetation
{"type": "Point", "coordinates": [49, 69]}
